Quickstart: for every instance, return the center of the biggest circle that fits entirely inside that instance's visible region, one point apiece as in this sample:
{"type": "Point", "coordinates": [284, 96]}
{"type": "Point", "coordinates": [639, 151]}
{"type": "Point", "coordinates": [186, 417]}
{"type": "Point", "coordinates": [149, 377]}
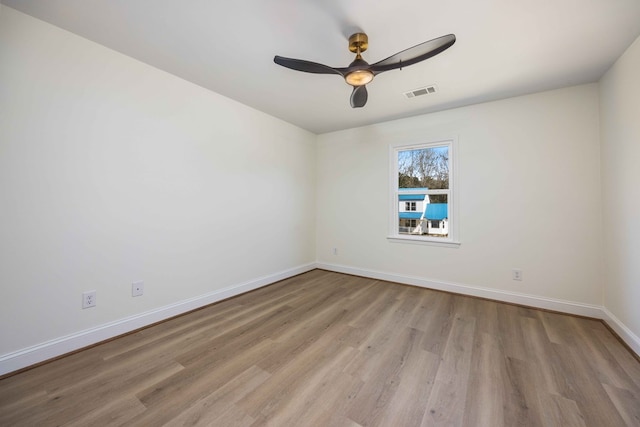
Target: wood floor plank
{"type": "Point", "coordinates": [156, 334]}
{"type": "Point", "coordinates": [409, 402]}
{"type": "Point", "coordinates": [446, 405]}
{"type": "Point", "coordinates": [626, 402]}
{"type": "Point", "coordinates": [521, 401]}
{"type": "Point", "coordinates": [73, 368]}
{"type": "Point", "coordinates": [623, 358]}
{"type": "Point", "coordinates": [583, 386]}
{"type": "Point", "coordinates": [542, 354]}
{"type": "Point", "coordinates": [382, 380]}
{"type": "Point", "coordinates": [328, 349]}
{"type": "Point", "coordinates": [290, 345]}
{"type": "Point", "coordinates": [437, 326]}
{"type": "Point", "coordinates": [212, 408]}
{"type": "Point", "coordinates": [485, 393]}
{"type": "Point", "coordinates": [600, 358]}
{"type": "Point", "coordinates": [332, 401]}
{"type": "Point", "coordinates": [319, 386]}
{"type": "Point", "coordinates": [560, 411]}
{"type": "Point", "coordinates": [117, 412]}
{"type": "Point", "coordinates": [71, 400]}
{"type": "Point", "coordinates": [194, 384]}
{"type": "Point", "coordinates": [285, 383]}
{"type": "Point", "coordinates": [510, 331]}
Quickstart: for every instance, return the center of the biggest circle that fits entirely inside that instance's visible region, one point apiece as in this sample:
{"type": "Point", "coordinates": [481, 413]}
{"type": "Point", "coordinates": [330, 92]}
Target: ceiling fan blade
{"type": "Point", "coordinates": [306, 66]}
{"type": "Point", "coordinates": [359, 96]}
{"type": "Point", "coordinates": [415, 54]}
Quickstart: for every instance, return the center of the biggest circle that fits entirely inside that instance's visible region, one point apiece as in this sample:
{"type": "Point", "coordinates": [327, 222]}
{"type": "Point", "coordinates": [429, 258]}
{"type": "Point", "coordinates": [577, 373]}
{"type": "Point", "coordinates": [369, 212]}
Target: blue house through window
{"type": "Point", "coordinates": [418, 216]}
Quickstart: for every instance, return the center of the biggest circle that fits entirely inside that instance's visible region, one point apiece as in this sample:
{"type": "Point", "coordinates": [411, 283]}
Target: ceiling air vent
{"type": "Point", "coordinates": [427, 90]}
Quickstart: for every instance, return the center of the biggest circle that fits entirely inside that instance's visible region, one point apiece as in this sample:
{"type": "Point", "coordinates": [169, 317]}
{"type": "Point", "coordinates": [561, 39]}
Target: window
{"type": "Point", "coordinates": [409, 206]}
{"type": "Point", "coordinates": [422, 193]}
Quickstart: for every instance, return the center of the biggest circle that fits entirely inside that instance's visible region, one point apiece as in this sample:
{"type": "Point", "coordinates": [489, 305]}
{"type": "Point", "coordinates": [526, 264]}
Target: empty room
{"type": "Point", "coordinates": [319, 213]}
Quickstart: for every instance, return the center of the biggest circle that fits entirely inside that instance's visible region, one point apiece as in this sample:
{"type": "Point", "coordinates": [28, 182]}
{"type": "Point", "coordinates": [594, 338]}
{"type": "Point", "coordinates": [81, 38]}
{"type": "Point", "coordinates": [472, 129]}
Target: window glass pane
{"type": "Point", "coordinates": [430, 217]}
{"type": "Point", "coordinates": [424, 168]}
{"type": "Point", "coordinates": [438, 198]}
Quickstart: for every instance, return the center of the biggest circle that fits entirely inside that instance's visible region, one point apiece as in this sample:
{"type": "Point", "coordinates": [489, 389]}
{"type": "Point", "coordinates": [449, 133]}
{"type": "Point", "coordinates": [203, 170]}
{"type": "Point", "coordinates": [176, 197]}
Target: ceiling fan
{"type": "Point", "coordinates": [359, 72]}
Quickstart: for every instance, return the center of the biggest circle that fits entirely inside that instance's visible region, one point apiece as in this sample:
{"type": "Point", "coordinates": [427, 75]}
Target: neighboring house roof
{"type": "Point", "coordinates": [437, 211]}
{"type": "Point", "coordinates": [410, 215]}
{"type": "Point", "coordinates": [411, 197]}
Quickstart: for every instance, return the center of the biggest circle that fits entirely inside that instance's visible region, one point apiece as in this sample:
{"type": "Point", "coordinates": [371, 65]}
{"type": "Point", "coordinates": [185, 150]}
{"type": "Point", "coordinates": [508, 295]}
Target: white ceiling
{"type": "Point", "coordinates": [504, 48]}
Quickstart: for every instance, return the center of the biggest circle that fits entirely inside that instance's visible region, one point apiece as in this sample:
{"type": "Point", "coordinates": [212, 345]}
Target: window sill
{"type": "Point", "coordinates": [423, 241]}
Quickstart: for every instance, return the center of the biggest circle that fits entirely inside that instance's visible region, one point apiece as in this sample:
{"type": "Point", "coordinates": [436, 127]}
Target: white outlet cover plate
{"type": "Point", "coordinates": [516, 274]}
{"type": "Point", "coordinates": [137, 289]}
{"type": "Point", "coordinates": [88, 299]}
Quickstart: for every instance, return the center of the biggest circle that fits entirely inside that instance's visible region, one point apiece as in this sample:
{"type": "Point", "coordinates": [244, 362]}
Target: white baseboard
{"type": "Point", "coordinates": [476, 291]}
{"type": "Point", "coordinates": [621, 329]}
{"type": "Point", "coordinates": [23, 358]}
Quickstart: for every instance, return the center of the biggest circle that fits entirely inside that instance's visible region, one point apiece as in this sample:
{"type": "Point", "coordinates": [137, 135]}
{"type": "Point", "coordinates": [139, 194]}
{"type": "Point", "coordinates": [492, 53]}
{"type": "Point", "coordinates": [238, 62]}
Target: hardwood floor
{"type": "Point", "coordinates": [326, 349]}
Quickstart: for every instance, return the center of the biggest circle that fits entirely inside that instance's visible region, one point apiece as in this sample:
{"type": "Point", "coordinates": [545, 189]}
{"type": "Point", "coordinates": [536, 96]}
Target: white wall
{"type": "Point", "coordinates": [529, 198]}
{"type": "Point", "coordinates": [112, 171]}
{"type": "Point", "coordinates": [620, 130]}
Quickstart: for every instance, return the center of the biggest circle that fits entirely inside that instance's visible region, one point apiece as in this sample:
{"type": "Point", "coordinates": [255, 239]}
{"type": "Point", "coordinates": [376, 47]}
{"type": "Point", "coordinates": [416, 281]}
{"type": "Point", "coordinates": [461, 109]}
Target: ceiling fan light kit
{"type": "Point", "coordinates": [359, 73]}
{"type": "Point", "coordinates": [359, 77]}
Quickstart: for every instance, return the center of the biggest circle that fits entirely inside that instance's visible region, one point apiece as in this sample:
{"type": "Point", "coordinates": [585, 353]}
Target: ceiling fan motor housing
{"type": "Point", "coordinates": [358, 42]}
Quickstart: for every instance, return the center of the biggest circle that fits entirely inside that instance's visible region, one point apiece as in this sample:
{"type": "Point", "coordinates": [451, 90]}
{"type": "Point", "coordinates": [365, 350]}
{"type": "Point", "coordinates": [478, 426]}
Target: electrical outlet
{"type": "Point", "coordinates": [88, 299]}
{"type": "Point", "coordinates": [137, 289]}
{"type": "Point", "coordinates": [516, 274]}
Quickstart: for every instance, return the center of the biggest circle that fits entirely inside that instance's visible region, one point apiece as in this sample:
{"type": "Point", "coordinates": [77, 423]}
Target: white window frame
{"type": "Point", "coordinates": [452, 199]}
